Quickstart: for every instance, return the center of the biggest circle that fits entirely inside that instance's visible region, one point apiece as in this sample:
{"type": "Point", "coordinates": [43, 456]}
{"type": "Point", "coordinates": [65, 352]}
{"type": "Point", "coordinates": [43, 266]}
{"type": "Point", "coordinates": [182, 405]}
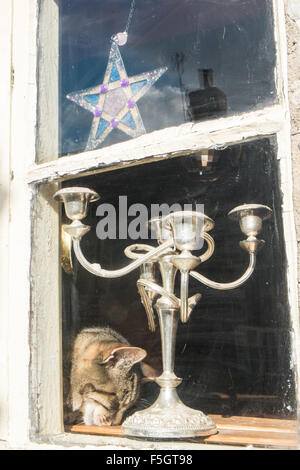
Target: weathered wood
{"type": "Point", "coordinates": [22, 149]}
{"type": "Point", "coordinates": [166, 143]}
{"type": "Point", "coordinates": [5, 105]}
{"type": "Point", "coordinates": [256, 424]}
{"type": "Point", "coordinates": [254, 438]}
{"type": "Point", "coordinates": [45, 332]}
{"type": "Point", "coordinates": [234, 430]}
{"type": "Point", "coordinates": [47, 131]}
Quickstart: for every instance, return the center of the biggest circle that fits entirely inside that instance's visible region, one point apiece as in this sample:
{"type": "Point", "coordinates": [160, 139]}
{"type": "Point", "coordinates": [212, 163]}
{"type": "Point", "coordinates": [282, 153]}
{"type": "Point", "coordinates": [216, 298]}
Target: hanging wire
{"type": "Point", "coordinates": [121, 38]}
{"type": "Point", "coordinates": [131, 12]}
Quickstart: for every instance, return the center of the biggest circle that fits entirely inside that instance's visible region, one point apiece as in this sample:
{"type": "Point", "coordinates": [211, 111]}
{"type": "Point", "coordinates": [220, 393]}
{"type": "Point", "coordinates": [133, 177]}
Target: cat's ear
{"type": "Point", "coordinates": [129, 354]}
{"type": "Point", "coordinates": [122, 354]}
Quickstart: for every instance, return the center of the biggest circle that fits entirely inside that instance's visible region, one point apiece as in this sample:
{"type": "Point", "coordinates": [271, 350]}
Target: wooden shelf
{"type": "Point", "coordinates": [234, 430]}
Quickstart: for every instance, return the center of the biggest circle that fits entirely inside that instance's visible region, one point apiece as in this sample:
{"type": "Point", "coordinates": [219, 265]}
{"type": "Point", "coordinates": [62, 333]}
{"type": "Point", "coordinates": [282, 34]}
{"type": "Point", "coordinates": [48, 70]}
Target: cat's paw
{"type": "Point", "coordinates": [101, 416]}
{"type": "Point", "coordinates": [103, 421]}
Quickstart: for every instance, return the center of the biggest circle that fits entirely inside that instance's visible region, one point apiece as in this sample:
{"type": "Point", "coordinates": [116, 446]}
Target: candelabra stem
{"type": "Point", "coordinates": [184, 295]}
{"type": "Point", "coordinates": [168, 321]}
{"type": "Point", "coordinates": [168, 417]}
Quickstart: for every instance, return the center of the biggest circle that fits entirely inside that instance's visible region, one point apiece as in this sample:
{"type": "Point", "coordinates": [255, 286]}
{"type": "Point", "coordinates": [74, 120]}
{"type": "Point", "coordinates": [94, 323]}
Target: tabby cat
{"type": "Point", "coordinates": [104, 379]}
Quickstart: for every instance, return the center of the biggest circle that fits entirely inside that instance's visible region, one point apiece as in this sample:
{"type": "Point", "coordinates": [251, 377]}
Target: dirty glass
{"type": "Point", "coordinates": [234, 354]}
{"type": "Point", "coordinates": [210, 59]}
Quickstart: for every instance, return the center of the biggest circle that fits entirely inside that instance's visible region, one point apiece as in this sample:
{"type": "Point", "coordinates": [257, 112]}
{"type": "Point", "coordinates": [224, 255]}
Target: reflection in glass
{"type": "Point", "coordinates": [208, 101]}
{"type": "Point", "coordinates": [235, 352]}
{"type": "Point", "coordinates": [232, 39]}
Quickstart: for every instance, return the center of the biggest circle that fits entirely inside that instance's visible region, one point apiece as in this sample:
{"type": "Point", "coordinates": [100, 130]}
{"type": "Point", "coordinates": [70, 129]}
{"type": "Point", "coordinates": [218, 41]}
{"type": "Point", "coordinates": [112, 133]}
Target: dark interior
{"type": "Point", "coordinates": [234, 354]}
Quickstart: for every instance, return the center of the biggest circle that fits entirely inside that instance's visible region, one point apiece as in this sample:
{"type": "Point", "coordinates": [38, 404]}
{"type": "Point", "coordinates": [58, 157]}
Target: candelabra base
{"type": "Point", "coordinates": [176, 421]}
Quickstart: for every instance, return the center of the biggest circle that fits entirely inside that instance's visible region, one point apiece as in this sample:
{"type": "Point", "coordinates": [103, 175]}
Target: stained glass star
{"type": "Point", "coordinates": [114, 102]}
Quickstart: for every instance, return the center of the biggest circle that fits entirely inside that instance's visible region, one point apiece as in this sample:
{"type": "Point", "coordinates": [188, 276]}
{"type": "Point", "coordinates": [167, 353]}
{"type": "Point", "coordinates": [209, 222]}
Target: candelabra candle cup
{"type": "Point", "coordinates": [251, 225]}
{"type": "Point", "coordinates": [250, 217]}
{"type": "Point", "coordinates": [76, 201]}
{"type": "Point", "coordinates": [161, 229]}
{"type": "Point", "coordinates": [188, 228]}
{"type": "Point", "coordinates": [148, 271]}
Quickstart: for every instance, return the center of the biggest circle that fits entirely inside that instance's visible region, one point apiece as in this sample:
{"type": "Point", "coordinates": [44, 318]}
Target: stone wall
{"type": "Point", "coordinates": [293, 38]}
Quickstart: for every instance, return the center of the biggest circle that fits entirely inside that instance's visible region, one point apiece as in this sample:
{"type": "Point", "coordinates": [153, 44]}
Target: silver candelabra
{"type": "Point", "coordinates": [178, 234]}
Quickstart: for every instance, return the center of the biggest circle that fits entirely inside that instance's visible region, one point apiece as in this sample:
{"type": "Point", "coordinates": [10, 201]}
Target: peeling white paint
{"type": "Point", "coordinates": [167, 143]}
{"type": "Point", "coordinates": [5, 104]}
{"type": "Point", "coordinates": [294, 9]}
{"type": "Point", "coordinates": [22, 152]}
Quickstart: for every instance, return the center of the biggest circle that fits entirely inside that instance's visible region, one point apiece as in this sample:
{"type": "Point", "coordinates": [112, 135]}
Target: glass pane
{"type": "Point", "coordinates": [210, 59]}
{"type": "Point", "coordinates": [234, 354]}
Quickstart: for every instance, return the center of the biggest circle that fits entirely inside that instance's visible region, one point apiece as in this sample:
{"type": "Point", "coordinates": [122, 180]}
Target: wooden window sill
{"type": "Point", "coordinates": [234, 430]}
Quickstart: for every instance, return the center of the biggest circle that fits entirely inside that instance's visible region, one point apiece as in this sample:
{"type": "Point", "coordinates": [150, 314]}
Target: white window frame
{"type": "Point", "coordinates": [33, 300]}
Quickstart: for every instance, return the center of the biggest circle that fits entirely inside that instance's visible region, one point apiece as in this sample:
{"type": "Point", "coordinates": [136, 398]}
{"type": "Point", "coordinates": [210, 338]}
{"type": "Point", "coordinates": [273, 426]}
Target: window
{"type": "Point", "coordinates": [234, 354]}
{"type": "Point", "coordinates": [214, 61]}
{"type": "Point", "coordinates": [242, 366]}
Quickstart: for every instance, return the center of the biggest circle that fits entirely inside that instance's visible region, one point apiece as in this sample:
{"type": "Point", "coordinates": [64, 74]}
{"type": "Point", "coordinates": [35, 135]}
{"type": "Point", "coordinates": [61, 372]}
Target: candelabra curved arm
{"type": "Point", "coordinates": [159, 290]}
{"type": "Point", "coordinates": [185, 262]}
{"type": "Point", "coordinates": [227, 285]}
{"type": "Point", "coordinates": [98, 271]}
{"type": "Point", "coordinates": [210, 247]}
{"type": "Point", "coordinates": [148, 306]}
{"type": "Point", "coordinates": [142, 285]}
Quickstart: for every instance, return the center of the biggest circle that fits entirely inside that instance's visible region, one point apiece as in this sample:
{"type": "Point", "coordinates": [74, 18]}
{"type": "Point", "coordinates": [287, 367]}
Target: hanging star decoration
{"type": "Point", "coordinates": [114, 102]}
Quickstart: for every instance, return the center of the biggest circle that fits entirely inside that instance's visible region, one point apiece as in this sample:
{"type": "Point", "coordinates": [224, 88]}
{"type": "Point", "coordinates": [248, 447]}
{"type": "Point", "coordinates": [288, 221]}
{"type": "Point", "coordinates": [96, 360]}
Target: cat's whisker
{"type": "Point", "coordinates": [144, 400]}
{"type": "Point", "coordinates": [143, 403]}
